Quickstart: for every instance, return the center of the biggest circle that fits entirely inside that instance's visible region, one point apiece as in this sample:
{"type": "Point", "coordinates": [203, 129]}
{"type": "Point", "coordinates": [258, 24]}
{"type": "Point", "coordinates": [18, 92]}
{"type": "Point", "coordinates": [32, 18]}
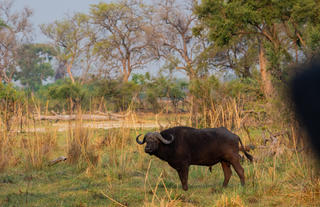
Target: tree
{"type": "Point", "coordinates": [241, 56]}
{"type": "Point", "coordinates": [120, 95]}
{"type": "Point", "coordinates": [304, 27]}
{"type": "Point", "coordinates": [177, 92]}
{"type": "Point", "coordinates": [176, 43]}
{"type": "Point", "coordinates": [275, 26]}
{"type": "Point", "coordinates": [14, 30]}
{"type": "Point", "coordinates": [123, 39]}
{"type": "Point", "coordinates": [70, 37]}
{"type": "Point", "coordinates": [34, 62]}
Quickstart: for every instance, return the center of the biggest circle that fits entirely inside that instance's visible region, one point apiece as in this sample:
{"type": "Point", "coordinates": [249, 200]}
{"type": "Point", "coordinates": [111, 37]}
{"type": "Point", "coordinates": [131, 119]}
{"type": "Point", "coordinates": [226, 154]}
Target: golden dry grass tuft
{"type": "Point", "coordinates": [81, 149]}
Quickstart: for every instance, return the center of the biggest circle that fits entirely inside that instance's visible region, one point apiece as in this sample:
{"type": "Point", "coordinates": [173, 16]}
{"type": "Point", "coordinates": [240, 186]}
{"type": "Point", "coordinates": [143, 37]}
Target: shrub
{"type": "Point", "coordinates": [248, 86]}
{"type": "Point", "coordinates": [10, 101]}
{"type": "Point", "coordinates": [119, 94]}
{"type": "Point", "coordinates": [68, 94]}
{"type": "Point", "coordinates": [154, 89]}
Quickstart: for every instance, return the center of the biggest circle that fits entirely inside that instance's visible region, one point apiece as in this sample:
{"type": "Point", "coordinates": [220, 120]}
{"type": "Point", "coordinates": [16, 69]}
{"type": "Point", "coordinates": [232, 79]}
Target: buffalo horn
{"type": "Point", "coordinates": [163, 140]}
{"type": "Point", "coordinates": [139, 142]}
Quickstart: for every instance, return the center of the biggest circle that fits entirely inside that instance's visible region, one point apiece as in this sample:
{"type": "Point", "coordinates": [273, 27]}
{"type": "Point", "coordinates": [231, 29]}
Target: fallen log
{"type": "Point", "coordinates": [97, 116]}
{"type": "Point", "coordinates": [59, 159]}
{"type": "Point", "coordinates": [112, 114]}
{"type": "Point", "coordinates": [76, 117]}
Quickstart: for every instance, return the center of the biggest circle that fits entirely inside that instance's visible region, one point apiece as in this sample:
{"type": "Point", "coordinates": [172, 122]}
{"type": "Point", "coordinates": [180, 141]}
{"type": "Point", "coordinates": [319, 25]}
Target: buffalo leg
{"type": "Point", "coordinates": [183, 175]}
{"type": "Point", "coordinates": [227, 172]}
{"type": "Point", "coordinates": [235, 162]}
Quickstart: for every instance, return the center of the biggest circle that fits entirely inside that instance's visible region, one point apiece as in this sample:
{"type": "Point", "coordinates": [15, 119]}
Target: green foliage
{"type": "Point", "coordinates": [2, 24]}
{"type": "Point", "coordinates": [205, 89]}
{"type": "Point", "coordinates": [35, 65]}
{"type": "Point", "coordinates": [68, 94]}
{"type": "Point", "coordinates": [119, 94]}
{"type": "Point", "coordinates": [225, 19]}
{"type": "Point", "coordinates": [177, 92]}
{"type": "Point", "coordinates": [10, 100]}
{"type": "Point", "coordinates": [156, 88]}
{"type": "Point", "coordinates": [246, 86]}
{"type": "Point", "coordinates": [122, 43]}
{"type": "Point", "coordinates": [314, 38]}
{"type": "Point", "coordinates": [284, 29]}
{"type": "Point", "coordinates": [72, 38]}
{"type": "Point", "coordinates": [9, 93]}
{"type": "Point", "coordinates": [204, 93]}
{"type": "Point", "coordinates": [67, 34]}
{"type": "Point", "coordinates": [140, 78]}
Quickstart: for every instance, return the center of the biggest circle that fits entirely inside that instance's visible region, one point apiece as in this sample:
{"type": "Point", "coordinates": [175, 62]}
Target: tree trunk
{"type": "Point", "coordinates": [125, 69]}
{"type": "Point", "coordinates": [194, 105]}
{"type": "Point", "coordinates": [265, 75]}
{"type": "Point", "coordinates": [125, 77]}
{"type": "Point", "coordinates": [69, 66]}
{"type": "Point", "coordinates": [194, 111]}
{"type": "Point", "coordinates": [61, 71]}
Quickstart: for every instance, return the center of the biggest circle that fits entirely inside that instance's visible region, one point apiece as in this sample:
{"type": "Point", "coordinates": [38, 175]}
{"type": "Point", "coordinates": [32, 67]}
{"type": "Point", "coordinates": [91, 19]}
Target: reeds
{"type": "Point", "coordinates": [6, 151]}
{"type": "Point", "coordinates": [81, 150]}
{"type": "Point", "coordinates": [38, 149]}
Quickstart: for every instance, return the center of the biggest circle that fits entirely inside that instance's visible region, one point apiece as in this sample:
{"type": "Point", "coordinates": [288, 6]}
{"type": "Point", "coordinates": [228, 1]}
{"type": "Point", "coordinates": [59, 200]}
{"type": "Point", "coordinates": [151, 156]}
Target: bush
{"type": "Point", "coordinates": [205, 90]}
{"type": "Point", "coordinates": [177, 92]}
{"type": "Point", "coordinates": [119, 94]}
{"type": "Point", "coordinates": [154, 89]}
{"type": "Point", "coordinates": [68, 95]}
{"type": "Point", "coordinates": [10, 101]}
{"type": "Point", "coordinates": [248, 86]}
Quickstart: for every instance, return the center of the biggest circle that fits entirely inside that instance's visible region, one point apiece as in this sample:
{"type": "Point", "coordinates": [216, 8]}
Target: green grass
{"type": "Point", "coordinates": [126, 175]}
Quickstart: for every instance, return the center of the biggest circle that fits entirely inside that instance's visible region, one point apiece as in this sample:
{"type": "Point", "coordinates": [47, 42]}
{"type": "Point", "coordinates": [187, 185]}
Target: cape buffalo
{"type": "Point", "coordinates": [185, 146]}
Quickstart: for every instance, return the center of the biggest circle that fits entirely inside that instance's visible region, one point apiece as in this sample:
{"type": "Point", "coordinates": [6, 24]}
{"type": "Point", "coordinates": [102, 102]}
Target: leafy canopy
{"type": "Point", "coordinates": [34, 64]}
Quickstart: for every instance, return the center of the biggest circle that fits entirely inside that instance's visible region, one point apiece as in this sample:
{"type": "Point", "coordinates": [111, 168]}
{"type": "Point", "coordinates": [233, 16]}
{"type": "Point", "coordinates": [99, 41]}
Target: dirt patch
{"type": "Point", "coordinates": [64, 126]}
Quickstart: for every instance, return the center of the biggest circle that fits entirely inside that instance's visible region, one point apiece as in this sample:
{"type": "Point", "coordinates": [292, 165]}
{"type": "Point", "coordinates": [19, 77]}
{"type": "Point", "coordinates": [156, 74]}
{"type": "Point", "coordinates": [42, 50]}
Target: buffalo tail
{"type": "Point", "coordinates": [244, 151]}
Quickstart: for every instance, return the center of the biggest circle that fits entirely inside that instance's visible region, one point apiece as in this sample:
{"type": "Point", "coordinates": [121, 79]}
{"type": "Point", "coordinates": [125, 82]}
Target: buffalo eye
{"type": "Point", "coordinates": [152, 144]}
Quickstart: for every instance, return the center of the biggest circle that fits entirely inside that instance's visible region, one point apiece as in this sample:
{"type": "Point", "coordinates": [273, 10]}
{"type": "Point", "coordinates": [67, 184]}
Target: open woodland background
{"type": "Point", "coordinates": [86, 95]}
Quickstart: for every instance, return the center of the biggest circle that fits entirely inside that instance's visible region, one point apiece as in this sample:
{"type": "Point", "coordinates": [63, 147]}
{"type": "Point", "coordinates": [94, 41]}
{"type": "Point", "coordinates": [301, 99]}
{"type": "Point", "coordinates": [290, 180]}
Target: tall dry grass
{"type": "Point", "coordinates": [81, 149]}
{"type": "Point", "coordinates": [11, 120]}
{"type": "Point", "coordinates": [6, 151]}
{"type": "Point", "coordinates": [280, 167]}
{"type": "Point", "coordinates": [32, 150]}
{"type": "Point", "coordinates": [38, 148]}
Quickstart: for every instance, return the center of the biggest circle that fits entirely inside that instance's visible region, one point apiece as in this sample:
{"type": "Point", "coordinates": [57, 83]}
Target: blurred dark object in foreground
{"type": "Point", "coordinates": [305, 88]}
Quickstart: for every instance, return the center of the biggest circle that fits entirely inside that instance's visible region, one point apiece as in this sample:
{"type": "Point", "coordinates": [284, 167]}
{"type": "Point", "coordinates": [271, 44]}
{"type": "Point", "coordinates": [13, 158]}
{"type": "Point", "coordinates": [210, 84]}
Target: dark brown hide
{"type": "Point", "coordinates": [204, 147]}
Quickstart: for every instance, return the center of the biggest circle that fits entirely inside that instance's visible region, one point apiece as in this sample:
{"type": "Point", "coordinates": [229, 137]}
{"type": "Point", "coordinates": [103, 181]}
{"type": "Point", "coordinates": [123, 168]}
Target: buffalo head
{"type": "Point", "coordinates": [153, 140]}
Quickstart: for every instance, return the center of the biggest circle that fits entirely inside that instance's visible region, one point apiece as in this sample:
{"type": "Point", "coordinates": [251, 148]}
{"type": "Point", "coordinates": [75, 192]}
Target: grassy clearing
{"type": "Point", "coordinates": [107, 168]}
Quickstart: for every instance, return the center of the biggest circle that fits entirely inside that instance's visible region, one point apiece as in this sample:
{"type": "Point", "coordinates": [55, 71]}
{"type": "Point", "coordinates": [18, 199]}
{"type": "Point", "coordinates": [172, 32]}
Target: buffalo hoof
{"type": "Point", "coordinates": [185, 188]}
